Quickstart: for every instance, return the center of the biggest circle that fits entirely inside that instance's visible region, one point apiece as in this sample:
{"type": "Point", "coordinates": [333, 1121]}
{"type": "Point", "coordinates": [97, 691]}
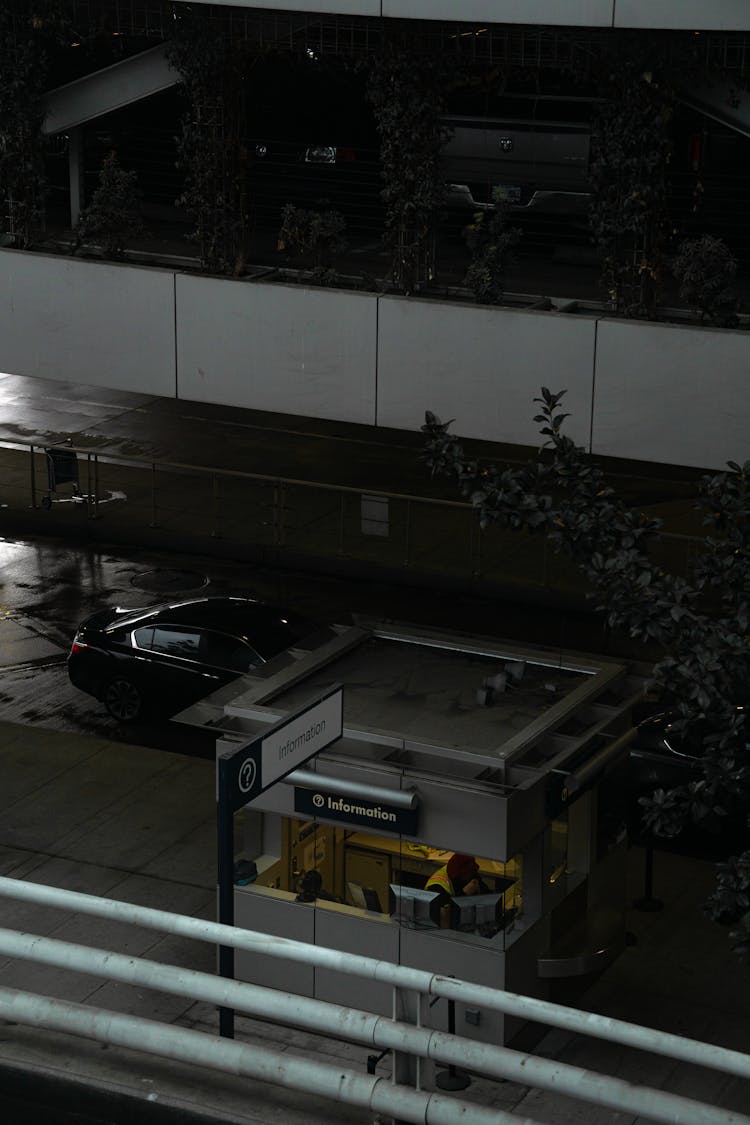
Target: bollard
{"type": "Point", "coordinates": [648, 902]}
{"type": "Point", "coordinates": [450, 1079]}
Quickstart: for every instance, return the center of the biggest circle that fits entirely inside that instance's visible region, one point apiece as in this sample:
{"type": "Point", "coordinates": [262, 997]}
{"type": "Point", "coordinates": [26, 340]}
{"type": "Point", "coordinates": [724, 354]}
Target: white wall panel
{"type": "Point", "coordinates": [346, 7]}
{"type": "Point", "coordinates": [451, 957]}
{"type": "Point", "coordinates": [481, 366]}
{"type": "Point", "coordinates": [367, 937]}
{"type": "Point", "coordinates": [726, 15]}
{"type": "Point", "coordinates": [596, 13]}
{"type": "Point", "coordinates": [87, 322]}
{"type": "Point", "coordinates": [277, 348]}
{"type": "Point", "coordinates": [719, 15]}
{"type": "Point", "coordinates": [673, 394]}
{"type": "Point", "coordinates": [278, 917]}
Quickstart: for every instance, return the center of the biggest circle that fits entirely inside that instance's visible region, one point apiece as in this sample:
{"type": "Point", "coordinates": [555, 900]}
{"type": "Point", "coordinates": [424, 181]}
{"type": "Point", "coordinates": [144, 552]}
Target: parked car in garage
{"type": "Point", "coordinates": [536, 155]}
{"type": "Point", "coordinates": [166, 657]}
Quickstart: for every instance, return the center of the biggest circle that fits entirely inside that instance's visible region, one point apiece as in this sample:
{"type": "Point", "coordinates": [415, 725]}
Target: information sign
{"type": "Point", "coordinates": [376, 816]}
{"type": "Point", "coordinates": [252, 768]}
{"type": "Point", "coordinates": [242, 774]}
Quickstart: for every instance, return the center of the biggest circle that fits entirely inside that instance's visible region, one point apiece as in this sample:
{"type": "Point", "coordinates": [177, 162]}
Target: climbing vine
{"type": "Point", "coordinates": [25, 31]}
{"type": "Point", "coordinates": [631, 150]}
{"type": "Point", "coordinates": [210, 149]}
{"type": "Point", "coordinates": [406, 93]}
{"type": "Point", "coordinates": [491, 242]}
{"type": "Point", "coordinates": [631, 153]}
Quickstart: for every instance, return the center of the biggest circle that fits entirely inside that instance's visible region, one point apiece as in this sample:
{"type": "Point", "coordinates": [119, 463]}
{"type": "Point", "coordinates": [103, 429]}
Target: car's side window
{"type": "Point", "coordinates": [223, 651]}
{"type": "Point", "coordinates": [170, 639]}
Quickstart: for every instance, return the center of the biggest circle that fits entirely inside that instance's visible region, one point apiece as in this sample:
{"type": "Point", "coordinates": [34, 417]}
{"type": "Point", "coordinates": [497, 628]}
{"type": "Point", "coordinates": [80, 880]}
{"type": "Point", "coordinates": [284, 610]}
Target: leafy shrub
{"type": "Point", "coordinates": [492, 244]}
{"type": "Point", "coordinates": [112, 217]}
{"type": "Point", "coordinates": [318, 235]}
{"type": "Point", "coordinates": [730, 902]}
{"type": "Point", "coordinates": [705, 269]}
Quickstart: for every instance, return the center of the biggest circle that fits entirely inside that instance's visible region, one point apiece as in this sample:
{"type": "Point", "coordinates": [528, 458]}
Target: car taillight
{"type": "Point", "coordinates": [77, 647]}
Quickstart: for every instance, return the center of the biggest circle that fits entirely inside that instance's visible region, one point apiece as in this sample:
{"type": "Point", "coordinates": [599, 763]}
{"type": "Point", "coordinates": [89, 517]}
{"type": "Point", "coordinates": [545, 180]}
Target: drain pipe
{"type": "Point", "coordinates": [398, 976]}
{"type": "Point", "coordinates": [370, 1030]}
{"type": "Point", "coordinates": [378, 1095]}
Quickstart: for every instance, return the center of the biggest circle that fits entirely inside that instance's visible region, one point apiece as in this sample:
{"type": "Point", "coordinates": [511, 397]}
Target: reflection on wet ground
{"type": "Point", "coordinates": [49, 586]}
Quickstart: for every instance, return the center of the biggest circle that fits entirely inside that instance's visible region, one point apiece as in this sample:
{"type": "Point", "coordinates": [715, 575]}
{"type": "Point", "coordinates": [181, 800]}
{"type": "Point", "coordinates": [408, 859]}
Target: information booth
{"type": "Point", "coordinates": [451, 745]}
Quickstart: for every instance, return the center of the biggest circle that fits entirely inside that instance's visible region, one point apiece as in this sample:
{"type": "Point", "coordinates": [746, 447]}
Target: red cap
{"type": "Point", "coordinates": [462, 867]}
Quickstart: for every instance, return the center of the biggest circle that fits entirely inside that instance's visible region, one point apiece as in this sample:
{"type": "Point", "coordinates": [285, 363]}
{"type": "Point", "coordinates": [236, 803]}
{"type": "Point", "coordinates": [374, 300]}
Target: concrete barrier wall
{"type": "Point", "coordinates": [690, 15]}
{"type": "Point", "coordinates": [576, 13]}
{"type": "Point", "coordinates": [481, 366]}
{"type": "Point", "coordinates": [672, 393]}
{"type": "Point", "coordinates": [345, 7]}
{"type": "Point", "coordinates": [721, 15]}
{"type": "Point", "coordinates": [277, 347]}
{"type": "Point", "coordinates": [87, 322]}
{"type": "Point", "coordinates": [580, 13]}
{"type": "Point", "coordinates": [675, 394]}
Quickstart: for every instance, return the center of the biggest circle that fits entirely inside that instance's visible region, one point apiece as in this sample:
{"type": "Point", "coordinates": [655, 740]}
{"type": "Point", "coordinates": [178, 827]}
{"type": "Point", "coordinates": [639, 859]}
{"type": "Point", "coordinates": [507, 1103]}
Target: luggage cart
{"type": "Point", "coordinates": [62, 468]}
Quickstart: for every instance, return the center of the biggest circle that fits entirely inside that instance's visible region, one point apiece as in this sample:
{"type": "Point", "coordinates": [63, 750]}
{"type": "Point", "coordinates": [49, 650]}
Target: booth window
{"type": "Point", "coordinates": [387, 879]}
{"type": "Point", "coordinates": [464, 897]}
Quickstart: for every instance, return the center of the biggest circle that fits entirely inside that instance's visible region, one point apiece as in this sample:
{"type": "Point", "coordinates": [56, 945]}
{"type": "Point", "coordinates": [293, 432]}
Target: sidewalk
{"type": "Point", "coordinates": [138, 825]}
{"type": "Point", "coordinates": [125, 424]}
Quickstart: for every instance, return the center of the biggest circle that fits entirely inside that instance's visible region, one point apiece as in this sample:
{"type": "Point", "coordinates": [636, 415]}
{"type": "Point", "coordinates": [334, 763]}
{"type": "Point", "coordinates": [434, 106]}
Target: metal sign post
{"type": "Point", "coordinates": [242, 774]}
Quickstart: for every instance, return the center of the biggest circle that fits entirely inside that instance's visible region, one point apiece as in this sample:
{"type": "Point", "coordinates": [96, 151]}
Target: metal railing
{"type": "Point", "coordinates": [313, 519]}
{"type": "Point", "coordinates": [386, 1034]}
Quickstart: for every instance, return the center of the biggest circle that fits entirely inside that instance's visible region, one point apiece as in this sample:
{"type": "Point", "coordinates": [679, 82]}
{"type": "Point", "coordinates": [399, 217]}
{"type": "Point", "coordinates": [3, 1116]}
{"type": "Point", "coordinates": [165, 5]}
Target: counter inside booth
{"type": "Point", "coordinates": [370, 859]}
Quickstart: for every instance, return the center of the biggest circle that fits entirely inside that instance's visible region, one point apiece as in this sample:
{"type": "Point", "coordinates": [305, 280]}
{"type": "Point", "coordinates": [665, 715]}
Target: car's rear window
{"type": "Point", "coordinates": [223, 651]}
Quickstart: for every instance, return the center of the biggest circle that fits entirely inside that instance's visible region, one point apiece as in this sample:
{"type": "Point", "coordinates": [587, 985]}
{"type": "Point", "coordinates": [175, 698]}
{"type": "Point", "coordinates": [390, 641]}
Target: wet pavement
{"type": "Point", "coordinates": [49, 586]}
{"type": "Point", "coordinates": [297, 541]}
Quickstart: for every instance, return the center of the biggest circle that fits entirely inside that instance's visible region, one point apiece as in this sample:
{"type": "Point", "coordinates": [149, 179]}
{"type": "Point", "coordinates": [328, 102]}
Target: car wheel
{"type": "Point", "coordinates": [123, 700]}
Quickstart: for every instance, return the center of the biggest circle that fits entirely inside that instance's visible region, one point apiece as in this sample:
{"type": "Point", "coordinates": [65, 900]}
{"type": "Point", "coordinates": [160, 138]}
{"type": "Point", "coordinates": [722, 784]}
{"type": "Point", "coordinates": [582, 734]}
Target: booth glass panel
{"type": "Point", "coordinates": [556, 867]}
{"type": "Point", "coordinates": [382, 878]}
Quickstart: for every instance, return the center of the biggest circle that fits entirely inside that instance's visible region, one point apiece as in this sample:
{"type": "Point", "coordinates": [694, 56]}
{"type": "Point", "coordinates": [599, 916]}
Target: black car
{"type": "Point", "coordinates": [168, 656]}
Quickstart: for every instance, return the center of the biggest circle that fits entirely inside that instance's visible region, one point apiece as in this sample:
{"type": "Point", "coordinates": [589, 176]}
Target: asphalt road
{"type": "Point", "coordinates": [49, 586]}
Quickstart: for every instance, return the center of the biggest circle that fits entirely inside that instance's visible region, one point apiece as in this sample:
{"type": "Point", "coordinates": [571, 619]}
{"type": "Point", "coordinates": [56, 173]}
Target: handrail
{"type": "Point", "coordinates": [371, 1030]}
{"type": "Point", "coordinates": [276, 478]}
{"type": "Point", "coordinates": [399, 976]}
{"type": "Point", "coordinates": [276, 1067]}
{"type": "Point", "coordinates": [267, 478]}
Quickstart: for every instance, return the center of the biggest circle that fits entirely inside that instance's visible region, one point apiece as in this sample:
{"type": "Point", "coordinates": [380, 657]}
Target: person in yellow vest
{"type": "Point", "coordinates": [459, 876]}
